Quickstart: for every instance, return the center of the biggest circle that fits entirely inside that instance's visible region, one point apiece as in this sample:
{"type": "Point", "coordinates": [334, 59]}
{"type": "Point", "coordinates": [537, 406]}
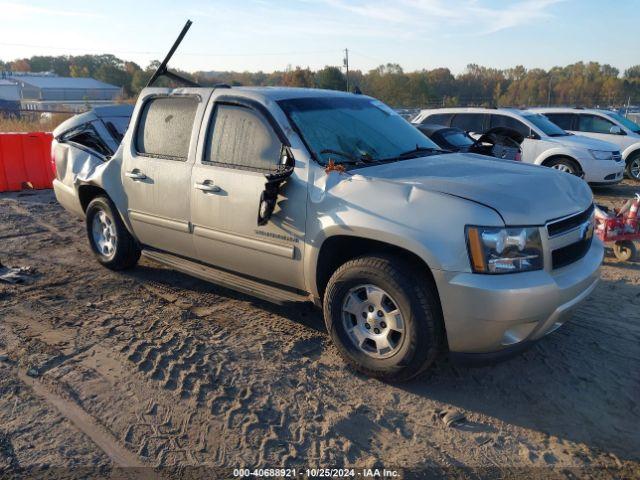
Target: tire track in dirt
{"type": "Point", "coordinates": [85, 423]}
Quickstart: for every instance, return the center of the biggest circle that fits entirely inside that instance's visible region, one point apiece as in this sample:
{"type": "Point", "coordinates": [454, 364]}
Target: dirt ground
{"type": "Point", "coordinates": [151, 368]}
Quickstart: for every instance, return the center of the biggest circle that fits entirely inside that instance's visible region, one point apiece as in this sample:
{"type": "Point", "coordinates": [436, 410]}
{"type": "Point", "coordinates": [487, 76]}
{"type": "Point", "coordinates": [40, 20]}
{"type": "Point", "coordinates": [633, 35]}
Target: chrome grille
{"type": "Point", "coordinates": [572, 237]}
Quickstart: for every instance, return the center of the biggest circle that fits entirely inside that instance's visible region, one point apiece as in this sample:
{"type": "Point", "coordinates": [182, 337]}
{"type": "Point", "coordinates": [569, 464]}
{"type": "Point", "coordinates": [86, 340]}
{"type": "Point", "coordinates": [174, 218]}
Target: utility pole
{"type": "Point", "coordinates": [346, 65]}
{"type": "Point", "coordinates": [549, 93]}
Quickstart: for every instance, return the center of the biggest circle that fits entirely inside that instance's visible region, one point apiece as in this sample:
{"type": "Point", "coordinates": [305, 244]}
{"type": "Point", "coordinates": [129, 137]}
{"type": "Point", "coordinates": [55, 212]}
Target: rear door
{"type": "Point", "coordinates": [156, 173]}
{"type": "Point", "coordinates": [242, 143]}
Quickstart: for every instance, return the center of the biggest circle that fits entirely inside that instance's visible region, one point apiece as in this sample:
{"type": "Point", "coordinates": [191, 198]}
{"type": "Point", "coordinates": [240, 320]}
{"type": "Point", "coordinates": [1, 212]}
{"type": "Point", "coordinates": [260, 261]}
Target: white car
{"type": "Point", "coordinates": [597, 161]}
{"type": "Point", "coordinates": [603, 125]}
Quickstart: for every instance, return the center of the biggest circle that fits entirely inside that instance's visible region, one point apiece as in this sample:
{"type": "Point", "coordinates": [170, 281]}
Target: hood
{"type": "Point", "coordinates": [522, 194]}
{"type": "Point", "coordinates": [578, 141]}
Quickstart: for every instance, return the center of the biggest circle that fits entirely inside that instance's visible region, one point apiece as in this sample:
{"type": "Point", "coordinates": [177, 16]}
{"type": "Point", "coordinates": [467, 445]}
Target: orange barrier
{"type": "Point", "coordinates": [25, 161]}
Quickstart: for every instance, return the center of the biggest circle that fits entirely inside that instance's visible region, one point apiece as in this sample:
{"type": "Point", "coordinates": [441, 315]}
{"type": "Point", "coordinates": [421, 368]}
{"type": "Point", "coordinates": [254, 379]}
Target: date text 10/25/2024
{"type": "Point", "coordinates": [316, 473]}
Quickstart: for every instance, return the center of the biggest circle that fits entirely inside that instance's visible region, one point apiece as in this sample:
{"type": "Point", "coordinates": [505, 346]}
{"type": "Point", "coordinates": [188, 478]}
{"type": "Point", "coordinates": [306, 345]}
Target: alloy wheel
{"type": "Point", "coordinates": [373, 321]}
{"type": "Point", "coordinates": [634, 168]}
{"type": "Point", "coordinates": [104, 234]}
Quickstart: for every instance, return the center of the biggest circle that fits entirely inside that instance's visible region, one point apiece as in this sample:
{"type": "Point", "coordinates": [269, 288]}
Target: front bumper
{"type": "Point", "coordinates": [602, 172]}
{"type": "Point", "coordinates": [498, 313]}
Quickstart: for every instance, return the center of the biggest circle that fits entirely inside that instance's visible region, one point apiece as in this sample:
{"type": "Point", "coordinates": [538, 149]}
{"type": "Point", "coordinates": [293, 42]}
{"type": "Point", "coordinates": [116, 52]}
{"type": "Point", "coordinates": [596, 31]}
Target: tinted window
{"type": "Point", "coordinates": [458, 139]}
{"type": "Point", "coordinates": [438, 119]}
{"type": "Point", "coordinates": [510, 122]}
{"type": "Point", "coordinates": [239, 137]}
{"type": "Point", "coordinates": [563, 120]}
{"type": "Point", "coordinates": [634, 127]}
{"type": "Point", "coordinates": [165, 127]}
{"type": "Point", "coordinates": [594, 124]}
{"type": "Point", "coordinates": [544, 124]}
{"type": "Point", "coordinates": [469, 122]}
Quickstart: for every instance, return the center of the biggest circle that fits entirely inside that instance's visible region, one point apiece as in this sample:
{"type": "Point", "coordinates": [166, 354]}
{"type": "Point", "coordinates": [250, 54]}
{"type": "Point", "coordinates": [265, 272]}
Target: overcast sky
{"type": "Point", "coordinates": [271, 34]}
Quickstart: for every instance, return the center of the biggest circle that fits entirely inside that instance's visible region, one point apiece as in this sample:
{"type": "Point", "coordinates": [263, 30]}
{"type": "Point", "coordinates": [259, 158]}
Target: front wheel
{"type": "Point", "coordinates": [565, 165]}
{"type": "Point", "coordinates": [111, 242]}
{"type": "Point", "coordinates": [384, 317]}
{"type": "Point", "coordinates": [633, 167]}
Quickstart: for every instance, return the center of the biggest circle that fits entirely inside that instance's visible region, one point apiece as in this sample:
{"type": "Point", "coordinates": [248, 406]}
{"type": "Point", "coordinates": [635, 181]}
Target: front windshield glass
{"type": "Point", "coordinates": [633, 126]}
{"type": "Point", "coordinates": [458, 139]}
{"type": "Point", "coordinates": [360, 128]}
{"type": "Point", "coordinates": [543, 123]}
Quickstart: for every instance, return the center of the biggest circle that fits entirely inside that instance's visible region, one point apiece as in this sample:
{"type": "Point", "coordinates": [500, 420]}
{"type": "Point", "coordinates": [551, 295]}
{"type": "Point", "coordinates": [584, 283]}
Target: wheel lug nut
{"type": "Point", "coordinates": [376, 331]}
{"type": "Point", "coordinates": [380, 313]}
{"type": "Point", "coordinates": [367, 326]}
{"type": "Point", "coordinates": [383, 324]}
{"type": "Point", "coordinates": [364, 314]}
{"type": "Point", "coordinates": [371, 309]}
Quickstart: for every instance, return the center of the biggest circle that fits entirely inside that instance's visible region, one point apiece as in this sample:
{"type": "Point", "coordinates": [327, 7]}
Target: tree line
{"type": "Point", "coordinates": [581, 84]}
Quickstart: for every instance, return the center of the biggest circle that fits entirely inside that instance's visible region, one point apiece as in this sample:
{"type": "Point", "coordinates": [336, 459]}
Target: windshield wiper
{"type": "Point", "coordinates": [352, 159]}
{"type": "Point", "coordinates": [417, 152]}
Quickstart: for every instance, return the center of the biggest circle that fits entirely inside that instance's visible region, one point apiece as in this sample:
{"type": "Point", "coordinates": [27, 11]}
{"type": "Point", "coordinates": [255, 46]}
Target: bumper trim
{"type": "Point", "coordinates": [490, 358]}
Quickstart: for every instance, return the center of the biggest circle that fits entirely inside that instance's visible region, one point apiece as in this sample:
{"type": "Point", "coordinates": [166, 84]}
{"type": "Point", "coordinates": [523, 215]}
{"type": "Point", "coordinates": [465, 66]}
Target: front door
{"type": "Point", "coordinates": [156, 173]}
{"type": "Point", "coordinates": [237, 149]}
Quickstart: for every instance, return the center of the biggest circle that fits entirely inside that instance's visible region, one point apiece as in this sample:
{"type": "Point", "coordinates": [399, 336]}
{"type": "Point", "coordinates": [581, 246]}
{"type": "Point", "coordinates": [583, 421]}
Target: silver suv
{"type": "Point", "coordinates": [301, 194]}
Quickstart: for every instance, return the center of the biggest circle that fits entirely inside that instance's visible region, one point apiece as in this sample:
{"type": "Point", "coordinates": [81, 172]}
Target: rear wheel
{"type": "Point", "coordinates": [565, 165]}
{"type": "Point", "coordinates": [633, 167]}
{"type": "Point", "coordinates": [624, 250]}
{"type": "Point", "coordinates": [111, 242]}
{"type": "Point", "coordinates": [384, 317]}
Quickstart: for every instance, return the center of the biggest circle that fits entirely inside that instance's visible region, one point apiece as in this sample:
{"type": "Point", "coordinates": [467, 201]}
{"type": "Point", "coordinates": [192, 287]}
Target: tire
{"type": "Point", "coordinates": [625, 250]}
{"type": "Point", "coordinates": [110, 241]}
{"type": "Point", "coordinates": [412, 348]}
{"type": "Point", "coordinates": [566, 165]}
{"type": "Point", "coordinates": [633, 167]}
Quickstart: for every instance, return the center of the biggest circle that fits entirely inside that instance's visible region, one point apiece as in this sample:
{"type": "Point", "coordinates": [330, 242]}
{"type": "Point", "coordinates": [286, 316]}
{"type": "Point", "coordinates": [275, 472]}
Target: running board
{"type": "Point", "coordinates": [270, 293]}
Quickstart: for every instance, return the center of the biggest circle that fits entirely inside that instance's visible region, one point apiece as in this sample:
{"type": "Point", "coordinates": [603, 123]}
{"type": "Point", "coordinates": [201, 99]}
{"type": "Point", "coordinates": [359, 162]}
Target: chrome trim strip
{"type": "Point", "coordinates": [245, 242]}
{"type": "Point", "coordinates": [159, 221]}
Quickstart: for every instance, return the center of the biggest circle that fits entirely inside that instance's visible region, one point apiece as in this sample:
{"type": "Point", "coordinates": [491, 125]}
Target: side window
{"type": "Point", "coordinates": [165, 126]}
{"type": "Point", "coordinates": [469, 122]}
{"type": "Point", "coordinates": [563, 120]}
{"type": "Point", "coordinates": [594, 124]}
{"type": "Point", "coordinates": [438, 119]}
{"type": "Point", "coordinates": [86, 136]}
{"type": "Point", "coordinates": [238, 137]}
{"type": "Point", "coordinates": [510, 122]}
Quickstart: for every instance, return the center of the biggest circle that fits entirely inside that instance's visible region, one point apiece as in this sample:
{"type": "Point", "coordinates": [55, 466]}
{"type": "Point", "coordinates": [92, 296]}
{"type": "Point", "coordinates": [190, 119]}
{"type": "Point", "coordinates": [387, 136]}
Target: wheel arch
{"type": "Point", "coordinates": [560, 156]}
{"type": "Point", "coordinates": [88, 191]}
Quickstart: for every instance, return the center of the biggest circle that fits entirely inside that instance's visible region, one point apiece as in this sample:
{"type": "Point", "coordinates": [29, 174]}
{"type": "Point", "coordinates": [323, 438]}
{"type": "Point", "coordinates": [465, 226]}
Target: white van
{"type": "Point", "coordinates": [545, 143]}
{"type": "Point", "coordinates": [603, 125]}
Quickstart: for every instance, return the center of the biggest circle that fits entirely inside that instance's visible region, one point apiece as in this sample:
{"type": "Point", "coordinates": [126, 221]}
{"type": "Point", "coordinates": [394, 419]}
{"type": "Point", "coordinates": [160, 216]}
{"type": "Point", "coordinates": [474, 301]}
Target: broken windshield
{"type": "Point", "coordinates": [360, 128]}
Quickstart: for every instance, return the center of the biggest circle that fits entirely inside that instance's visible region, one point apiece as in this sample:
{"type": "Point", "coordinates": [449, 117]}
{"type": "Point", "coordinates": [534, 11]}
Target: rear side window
{"type": "Point", "coordinates": [510, 122]}
{"type": "Point", "coordinates": [594, 124]}
{"type": "Point", "coordinates": [165, 127]}
{"type": "Point", "coordinates": [469, 122]}
{"type": "Point", "coordinates": [86, 136]}
{"type": "Point", "coordinates": [438, 119]}
{"type": "Point", "coordinates": [563, 120]}
{"type": "Point", "coordinates": [241, 138]}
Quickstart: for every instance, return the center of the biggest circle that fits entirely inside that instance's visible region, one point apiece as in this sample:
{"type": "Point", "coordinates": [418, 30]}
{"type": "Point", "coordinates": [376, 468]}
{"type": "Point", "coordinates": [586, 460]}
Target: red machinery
{"type": "Point", "coordinates": [620, 227]}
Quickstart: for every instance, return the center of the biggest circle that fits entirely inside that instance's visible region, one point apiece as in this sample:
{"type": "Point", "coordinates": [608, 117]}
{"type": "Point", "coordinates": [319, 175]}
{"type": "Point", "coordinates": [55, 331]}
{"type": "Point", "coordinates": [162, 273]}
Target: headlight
{"type": "Point", "coordinates": [504, 250]}
{"type": "Point", "coordinates": [601, 154]}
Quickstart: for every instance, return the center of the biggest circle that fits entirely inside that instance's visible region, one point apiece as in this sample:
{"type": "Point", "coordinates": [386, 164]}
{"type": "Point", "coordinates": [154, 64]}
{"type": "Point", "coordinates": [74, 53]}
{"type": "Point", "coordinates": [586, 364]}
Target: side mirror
{"type": "Point", "coordinates": [269, 195]}
{"type": "Point", "coordinates": [616, 130]}
{"type": "Point", "coordinates": [533, 136]}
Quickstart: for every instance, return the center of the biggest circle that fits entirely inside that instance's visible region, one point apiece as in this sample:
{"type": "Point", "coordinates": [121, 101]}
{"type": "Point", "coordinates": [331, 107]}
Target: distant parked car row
{"type": "Point", "coordinates": [602, 125]}
{"type": "Point", "coordinates": [545, 143]}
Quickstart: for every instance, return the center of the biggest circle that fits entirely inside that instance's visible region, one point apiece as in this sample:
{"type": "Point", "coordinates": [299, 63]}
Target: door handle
{"type": "Point", "coordinates": [207, 186]}
{"type": "Point", "coordinates": [135, 175]}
